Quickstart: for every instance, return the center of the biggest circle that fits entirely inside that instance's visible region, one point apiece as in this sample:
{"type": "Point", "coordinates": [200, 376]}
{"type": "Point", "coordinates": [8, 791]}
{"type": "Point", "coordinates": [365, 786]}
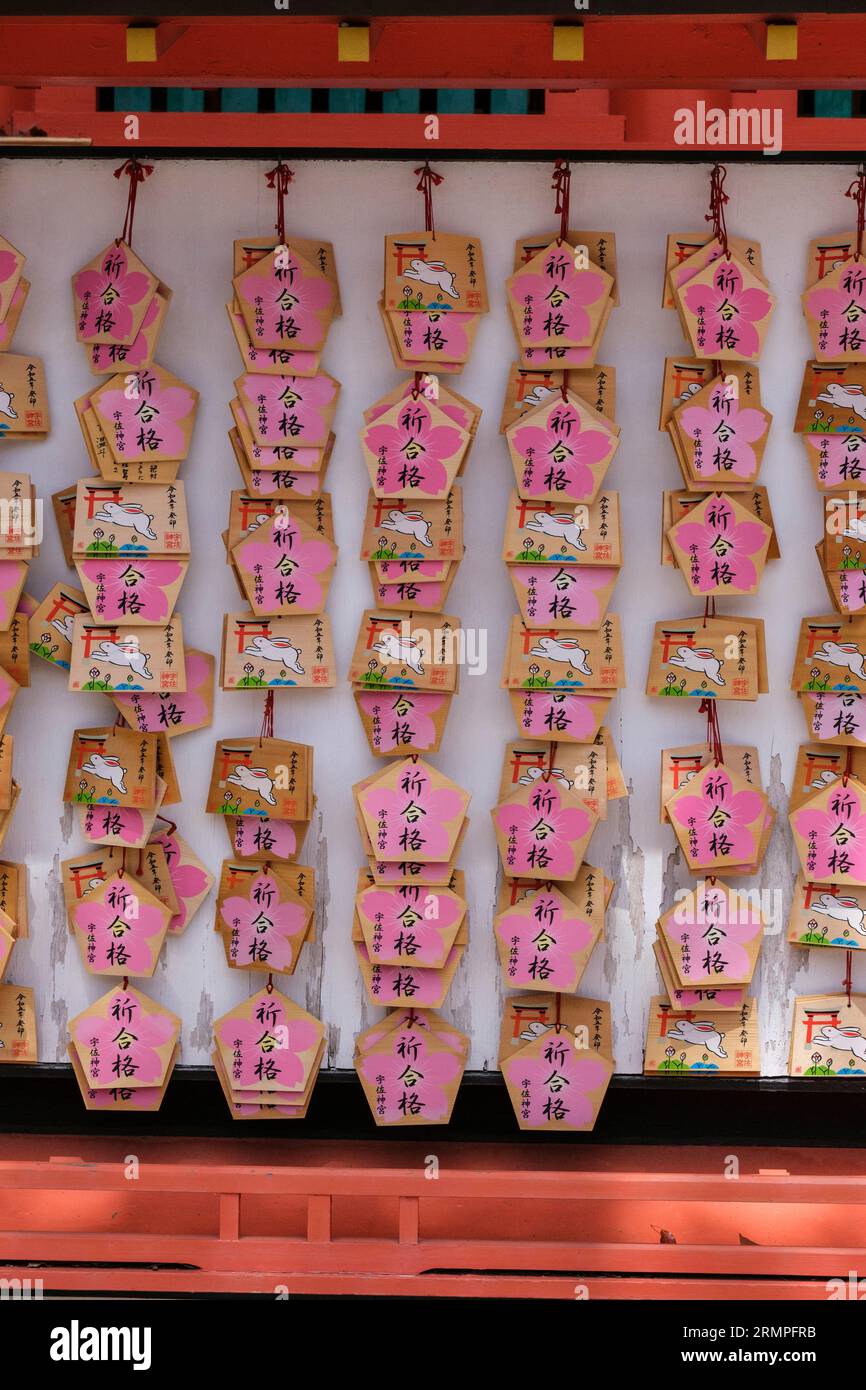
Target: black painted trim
{"type": "Point", "coordinates": [45, 1099]}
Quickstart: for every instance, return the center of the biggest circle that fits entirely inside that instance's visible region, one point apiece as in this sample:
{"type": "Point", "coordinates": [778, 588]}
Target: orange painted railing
{"type": "Point", "coordinates": [285, 1218]}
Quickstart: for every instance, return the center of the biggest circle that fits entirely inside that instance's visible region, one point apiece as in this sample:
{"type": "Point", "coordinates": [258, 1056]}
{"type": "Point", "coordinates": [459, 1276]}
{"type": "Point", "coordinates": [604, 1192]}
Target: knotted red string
{"type": "Point", "coordinates": [136, 172]}
{"type": "Point", "coordinates": [564, 387]}
{"type": "Point", "coordinates": [428, 179]}
{"type": "Point", "coordinates": [857, 191]}
{"type": "Point", "coordinates": [279, 178]}
{"type": "Point", "coordinates": [268, 717]}
{"type": "Point", "coordinates": [562, 185]}
{"type": "Point", "coordinates": [714, 733]}
{"type": "Point", "coordinates": [848, 982]}
{"type": "Point", "coordinates": [718, 198]}
{"type": "Point", "coordinates": [709, 607]}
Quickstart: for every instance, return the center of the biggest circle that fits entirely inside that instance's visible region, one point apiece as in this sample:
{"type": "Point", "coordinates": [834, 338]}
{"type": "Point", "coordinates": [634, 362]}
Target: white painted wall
{"type": "Point", "coordinates": [62, 213]}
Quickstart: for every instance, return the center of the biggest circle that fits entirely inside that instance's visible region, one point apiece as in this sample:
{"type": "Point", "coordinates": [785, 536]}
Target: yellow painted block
{"type": "Point", "coordinates": [781, 42]}
{"type": "Point", "coordinates": [353, 43]}
{"type": "Point", "coordinates": [141, 43]}
{"type": "Point", "coordinates": [568, 43]}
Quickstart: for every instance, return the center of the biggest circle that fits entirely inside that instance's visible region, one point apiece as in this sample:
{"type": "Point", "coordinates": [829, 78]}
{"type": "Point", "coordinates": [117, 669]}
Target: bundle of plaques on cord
{"type": "Point", "coordinates": [23, 391]}
{"type": "Point", "coordinates": [121, 902]}
{"type": "Point", "coordinates": [280, 538]}
{"type": "Point", "coordinates": [435, 293]}
{"type": "Point", "coordinates": [562, 290]}
{"type": "Point", "coordinates": [285, 295]}
{"type": "Point", "coordinates": [267, 1050]}
{"type": "Point", "coordinates": [410, 932]}
{"type": "Point", "coordinates": [137, 425]}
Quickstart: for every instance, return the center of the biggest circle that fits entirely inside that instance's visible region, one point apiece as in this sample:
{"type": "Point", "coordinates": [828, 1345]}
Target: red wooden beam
{"type": "Point", "coordinates": [621, 122]}
{"type": "Point", "coordinates": [285, 50]}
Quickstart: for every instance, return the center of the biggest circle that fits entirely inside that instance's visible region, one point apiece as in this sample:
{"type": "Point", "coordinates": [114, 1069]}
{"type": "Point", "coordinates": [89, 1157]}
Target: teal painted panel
{"type": "Point", "coordinates": [132, 98]}
{"type": "Point", "coordinates": [184, 99]}
{"type": "Point", "coordinates": [834, 103]}
{"type": "Point", "coordinates": [287, 99]}
{"type": "Point", "coordinates": [239, 99]}
{"type": "Point", "coordinates": [508, 101]}
{"type": "Point", "coordinates": [454, 102]}
{"type": "Point", "coordinates": [346, 99]}
{"type": "Point", "coordinates": [404, 100]}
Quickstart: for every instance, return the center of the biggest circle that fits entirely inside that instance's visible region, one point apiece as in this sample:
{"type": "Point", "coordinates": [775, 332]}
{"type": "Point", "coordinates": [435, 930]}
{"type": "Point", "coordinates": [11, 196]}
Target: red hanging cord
{"type": "Point", "coordinates": [564, 387]}
{"type": "Point", "coordinates": [279, 178]}
{"type": "Point", "coordinates": [714, 734]}
{"type": "Point", "coordinates": [428, 179]}
{"type": "Point", "coordinates": [848, 981]}
{"type": "Point", "coordinates": [136, 172]}
{"type": "Point", "coordinates": [125, 984]}
{"type": "Point", "coordinates": [267, 718]}
{"type": "Point", "coordinates": [718, 198]}
{"type": "Point", "coordinates": [558, 1024]}
{"type": "Point", "coordinates": [551, 754]}
{"type": "Point", "coordinates": [562, 186]}
{"type": "Point", "coordinates": [270, 985]}
{"type": "Point", "coordinates": [709, 607]}
{"type": "Point", "coordinates": [857, 191]}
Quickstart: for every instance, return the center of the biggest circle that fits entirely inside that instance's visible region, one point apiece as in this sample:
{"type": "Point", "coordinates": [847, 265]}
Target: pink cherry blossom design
{"type": "Point", "coordinates": [138, 1097]}
{"type": "Point", "coordinates": [720, 548]}
{"type": "Point", "coordinates": [446, 334]}
{"type": "Point", "coordinates": [260, 1053]}
{"type": "Point", "coordinates": [169, 712]}
{"type": "Point", "coordinates": [840, 312]}
{"type": "Point", "coordinates": [542, 833]}
{"type": "Point", "coordinates": [133, 951]}
{"type": "Point", "coordinates": [262, 926]}
{"type": "Point", "coordinates": [8, 266]}
{"type": "Point", "coordinates": [411, 1080]}
{"type": "Point", "coordinates": [546, 712]}
{"type": "Point", "coordinates": [112, 822]}
{"type": "Point", "coordinates": [574, 1077]}
{"type": "Point", "coordinates": [542, 942]}
{"type": "Point", "coordinates": [841, 457]}
{"type": "Point", "coordinates": [714, 945]}
{"type": "Point", "coordinates": [412, 452]}
{"type": "Point", "coordinates": [280, 457]}
{"type": "Point", "coordinates": [287, 409]}
{"type": "Point", "coordinates": [255, 833]}
{"type": "Point", "coordinates": [564, 595]}
{"type": "Point", "coordinates": [110, 293]}
{"type": "Point", "coordinates": [100, 1042]}
{"type": "Point", "coordinates": [286, 569]}
{"type": "Point", "coordinates": [534, 294]}
{"type": "Point", "coordinates": [419, 985]}
{"type": "Point", "coordinates": [430, 596]}
{"type": "Point", "coordinates": [133, 588]}
{"type": "Point", "coordinates": [835, 836]}
{"type": "Point", "coordinates": [288, 305]}
{"type": "Point", "coordinates": [187, 880]}
{"type": "Point", "coordinates": [559, 456]}
{"type": "Point", "coordinates": [149, 423]}
{"type": "Point", "coordinates": [456, 412]}
{"type": "Point", "coordinates": [723, 436]}
{"type": "Point", "coordinates": [729, 312]}
{"type": "Point", "coordinates": [265, 483]}
{"type": "Point", "coordinates": [109, 357]}
{"type": "Point", "coordinates": [413, 818]}
{"type": "Point", "coordinates": [714, 797]}
{"type": "Point", "coordinates": [832, 715]}
{"type": "Point", "coordinates": [401, 928]}
{"type": "Point", "coordinates": [399, 728]}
